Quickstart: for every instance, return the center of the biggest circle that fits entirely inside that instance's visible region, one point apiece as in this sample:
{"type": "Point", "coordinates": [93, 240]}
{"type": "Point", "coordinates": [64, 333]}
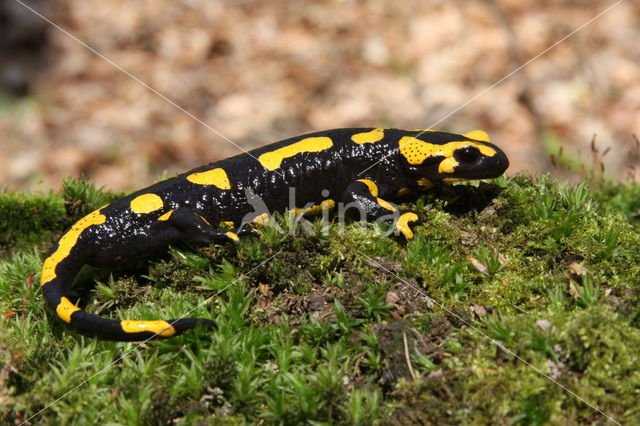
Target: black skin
{"type": "Point", "coordinates": [333, 173]}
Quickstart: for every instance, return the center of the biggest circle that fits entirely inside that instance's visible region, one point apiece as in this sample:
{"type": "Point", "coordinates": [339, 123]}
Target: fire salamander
{"type": "Point", "coordinates": [362, 166]}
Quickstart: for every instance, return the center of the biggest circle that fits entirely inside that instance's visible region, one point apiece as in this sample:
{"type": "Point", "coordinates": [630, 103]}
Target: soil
{"type": "Point", "coordinates": [257, 72]}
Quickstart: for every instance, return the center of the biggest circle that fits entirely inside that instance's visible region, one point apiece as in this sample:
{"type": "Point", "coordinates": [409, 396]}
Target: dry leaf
{"type": "Point", "coordinates": [395, 316]}
{"type": "Point", "coordinates": [391, 298]}
{"type": "Point", "coordinates": [480, 311]}
{"type": "Point", "coordinates": [578, 269]}
{"type": "Point", "coordinates": [479, 266]}
{"type": "Point", "coordinates": [543, 324]}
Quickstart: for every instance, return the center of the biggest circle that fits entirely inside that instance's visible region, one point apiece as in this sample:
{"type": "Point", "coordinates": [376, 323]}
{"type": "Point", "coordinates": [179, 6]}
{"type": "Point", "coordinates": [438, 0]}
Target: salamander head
{"type": "Point", "coordinates": [448, 157]}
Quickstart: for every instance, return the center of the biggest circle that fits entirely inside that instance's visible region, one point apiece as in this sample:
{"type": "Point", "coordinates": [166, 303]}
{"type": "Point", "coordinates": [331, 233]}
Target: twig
{"type": "Point", "coordinates": [406, 355]}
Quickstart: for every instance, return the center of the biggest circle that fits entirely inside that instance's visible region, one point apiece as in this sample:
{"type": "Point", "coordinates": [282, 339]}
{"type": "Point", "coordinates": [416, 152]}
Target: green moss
{"type": "Point", "coordinates": [27, 218]}
{"type": "Point", "coordinates": [81, 197]}
{"type": "Point", "coordinates": [600, 347]}
{"type": "Point", "coordinates": [344, 325]}
{"type": "Point", "coordinates": [624, 199]}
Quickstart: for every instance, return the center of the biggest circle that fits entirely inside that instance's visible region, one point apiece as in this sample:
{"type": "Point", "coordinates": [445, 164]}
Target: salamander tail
{"type": "Point", "coordinates": [54, 289]}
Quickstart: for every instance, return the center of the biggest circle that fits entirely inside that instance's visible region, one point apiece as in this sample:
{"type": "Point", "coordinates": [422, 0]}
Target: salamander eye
{"type": "Point", "coordinates": [467, 154]}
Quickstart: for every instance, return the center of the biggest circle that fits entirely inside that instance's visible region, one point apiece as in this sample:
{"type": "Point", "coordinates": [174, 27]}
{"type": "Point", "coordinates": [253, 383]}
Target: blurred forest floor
{"type": "Point", "coordinates": [260, 71]}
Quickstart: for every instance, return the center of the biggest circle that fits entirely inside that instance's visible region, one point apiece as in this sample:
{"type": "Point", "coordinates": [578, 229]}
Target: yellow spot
{"type": "Point", "coordinates": [386, 204]}
{"type": "Point", "coordinates": [416, 150]}
{"type": "Point", "coordinates": [261, 219]}
{"type": "Point", "coordinates": [403, 191]}
{"type": "Point", "coordinates": [68, 242]}
{"type": "Point", "coordinates": [65, 308]}
{"type": "Point", "coordinates": [166, 216]}
{"type": "Point", "coordinates": [158, 327]}
{"type": "Point", "coordinates": [272, 160]}
{"type": "Point", "coordinates": [227, 224]}
{"type": "Point", "coordinates": [315, 209]}
{"type": "Point", "coordinates": [368, 137]}
{"type": "Point", "coordinates": [373, 188]}
{"type": "Point", "coordinates": [402, 224]}
{"type": "Point", "coordinates": [146, 203]}
{"type": "Point", "coordinates": [217, 177]}
{"type": "Point", "coordinates": [448, 165]}
{"type": "Point", "coordinates": [318, 208]}
{"type": "Point", "coordinates": [425, 183]}
{"type": "Point", "coordinates": [479, 135]}
{"type": "Point", "coordinates": [205, 220]}
{"type": "Point", "coordinates": [233, 236]}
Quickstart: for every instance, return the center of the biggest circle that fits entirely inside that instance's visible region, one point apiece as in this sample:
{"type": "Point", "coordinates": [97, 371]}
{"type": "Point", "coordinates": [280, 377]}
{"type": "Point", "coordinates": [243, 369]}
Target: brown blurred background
{"type": "Point", "coordinates": [260, 71]}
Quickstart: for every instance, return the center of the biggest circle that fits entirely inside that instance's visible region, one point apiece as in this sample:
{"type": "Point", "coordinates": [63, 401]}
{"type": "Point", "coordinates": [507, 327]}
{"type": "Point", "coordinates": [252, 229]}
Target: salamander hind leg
{"type": "Point", "coordinates": [75, 249]}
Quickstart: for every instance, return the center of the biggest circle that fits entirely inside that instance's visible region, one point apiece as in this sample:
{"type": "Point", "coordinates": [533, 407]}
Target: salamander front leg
{"type": "Point", "coordinates": [364, 193]}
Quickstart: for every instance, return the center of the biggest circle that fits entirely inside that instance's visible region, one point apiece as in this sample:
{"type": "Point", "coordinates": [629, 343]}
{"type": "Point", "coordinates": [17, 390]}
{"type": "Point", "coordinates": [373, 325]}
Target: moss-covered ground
{"type": "Point", "coordinates": [518, 302]}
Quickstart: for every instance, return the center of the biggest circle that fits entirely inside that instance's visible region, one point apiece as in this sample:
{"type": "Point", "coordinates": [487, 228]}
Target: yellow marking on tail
{"type": "Point", "coordinates": [65, 308]}
{"type": "Point", "coordinates": [159, 327]}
